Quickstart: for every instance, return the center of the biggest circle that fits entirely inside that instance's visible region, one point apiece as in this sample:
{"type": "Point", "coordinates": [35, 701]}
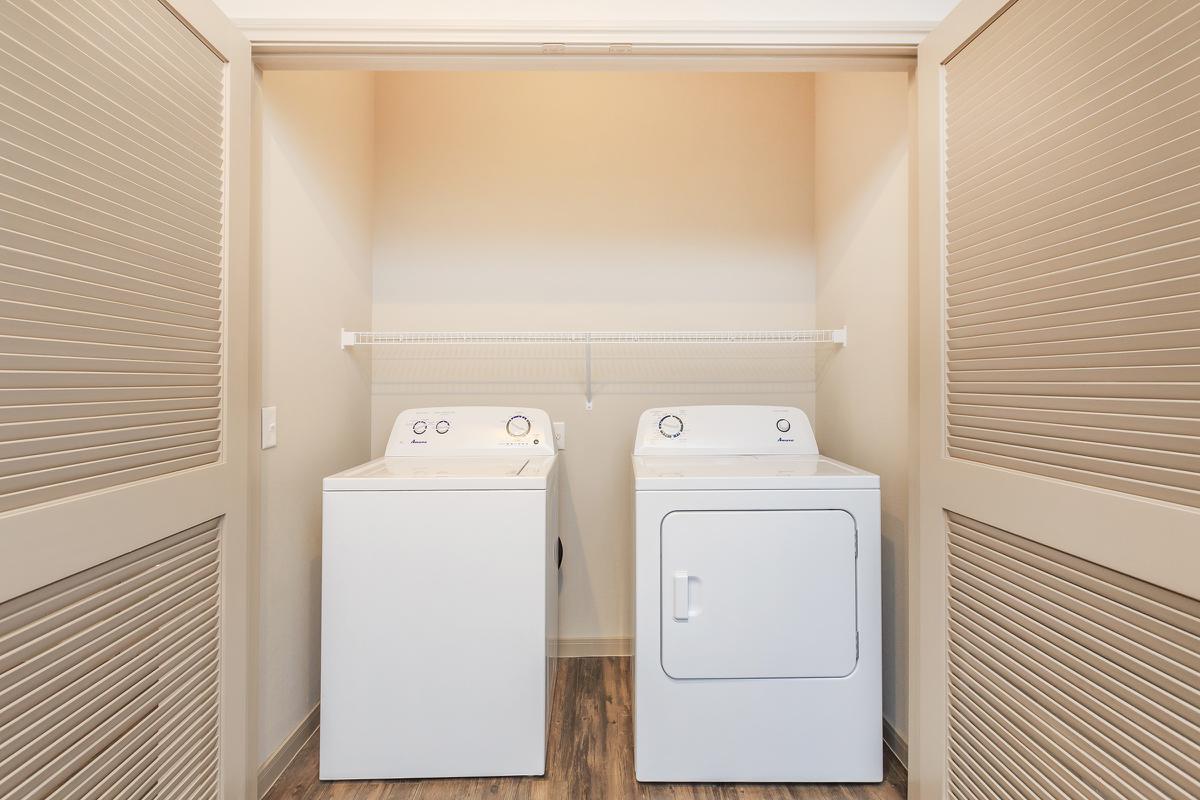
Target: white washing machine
{"type": "Point", "coordinates": [439, 612]}
{"type": "Point", "coordinates": [757, 631]}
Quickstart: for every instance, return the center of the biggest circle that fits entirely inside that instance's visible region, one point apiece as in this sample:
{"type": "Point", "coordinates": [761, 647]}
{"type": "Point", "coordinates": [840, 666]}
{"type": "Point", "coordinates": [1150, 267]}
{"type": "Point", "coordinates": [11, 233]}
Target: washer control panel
{"type": "Point", "coordinates": [670, 426]}
{"type": "Point", "coordinates": [471, 430]}
{"type": "Point", "coordinates": [725, 430]}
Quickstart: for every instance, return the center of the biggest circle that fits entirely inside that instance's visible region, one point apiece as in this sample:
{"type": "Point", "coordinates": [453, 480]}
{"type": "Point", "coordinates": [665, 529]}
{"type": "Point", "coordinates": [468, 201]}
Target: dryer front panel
{"type": "Point", "coordinates": [759, 594]}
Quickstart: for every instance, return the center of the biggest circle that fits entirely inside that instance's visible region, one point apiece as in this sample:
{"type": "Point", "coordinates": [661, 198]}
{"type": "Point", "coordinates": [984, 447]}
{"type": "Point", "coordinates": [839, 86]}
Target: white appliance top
{"type": "Point", "coordinates": [462, 474]}
{"type": "Point", "coordinates": [736, 447]}
{"type": "Point", "coordinates": [459, 448]}
{"type": "Point", "coordinates": [663, 473]}
{"type": "Point", "coordinates": [471, 431]}
{"type": "Point", "coordinates": [725, 430]}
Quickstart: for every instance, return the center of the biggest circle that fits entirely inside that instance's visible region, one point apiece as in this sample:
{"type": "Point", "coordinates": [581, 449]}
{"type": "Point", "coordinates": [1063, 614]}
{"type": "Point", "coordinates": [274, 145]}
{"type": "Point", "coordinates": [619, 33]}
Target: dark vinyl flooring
{"type": "Point", "coordinates": [591, 756]}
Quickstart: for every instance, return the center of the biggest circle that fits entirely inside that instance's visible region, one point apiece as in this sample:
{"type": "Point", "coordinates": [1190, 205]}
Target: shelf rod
{"type": "Point", "coordinates": [588, 338]}
{"type": "Point", "coordinates": [588, 359]}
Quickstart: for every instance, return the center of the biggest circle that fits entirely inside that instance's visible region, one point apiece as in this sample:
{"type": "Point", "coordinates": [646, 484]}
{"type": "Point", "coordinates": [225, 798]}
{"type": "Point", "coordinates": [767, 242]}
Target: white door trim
{"type": "Point", "coordinates": [677, 45]}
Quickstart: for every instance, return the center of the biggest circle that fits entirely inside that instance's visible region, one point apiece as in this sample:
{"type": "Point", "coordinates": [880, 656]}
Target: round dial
{"type": "Point", "coordinates": [442, 426]}
{"type": "Point", "coordinates": [518, 426]}
{"type": "Point", "coordinates": [783, 425]}
{"type": "Point", "coordinates": [419, 427]}
{"type": "Point", "coordinates": [670, 426]}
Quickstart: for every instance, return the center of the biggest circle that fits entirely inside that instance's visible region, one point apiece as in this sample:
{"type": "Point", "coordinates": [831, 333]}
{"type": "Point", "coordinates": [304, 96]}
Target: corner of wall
{"type": "Point", "coordinates": [863, 390]}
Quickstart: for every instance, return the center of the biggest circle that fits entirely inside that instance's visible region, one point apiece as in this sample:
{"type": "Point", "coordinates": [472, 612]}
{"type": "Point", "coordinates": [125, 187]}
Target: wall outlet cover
{"type": "Point", "coordinates": [269, 430]}
{"type": "Point", "coordinates": [560, 436]}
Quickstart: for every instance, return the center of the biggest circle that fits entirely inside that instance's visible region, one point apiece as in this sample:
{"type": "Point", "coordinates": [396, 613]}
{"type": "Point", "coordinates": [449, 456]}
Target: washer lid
{"type": "Point", "coordinates": [460, 474]}
{"type": "Point", "coordinates": [661, 473]}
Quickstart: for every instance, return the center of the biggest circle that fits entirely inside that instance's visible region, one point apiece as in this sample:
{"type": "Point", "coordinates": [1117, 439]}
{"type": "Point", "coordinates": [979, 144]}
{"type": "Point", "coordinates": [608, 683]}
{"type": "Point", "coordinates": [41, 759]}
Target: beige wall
{"type": "Point", "coordinates": [604, 11]}
{"type": "Point", "coordinates": [317, 167]}
{"type": "Point", "coordinates": [861, 150]}
{"type": "Point", "coordinates": [569, 201]}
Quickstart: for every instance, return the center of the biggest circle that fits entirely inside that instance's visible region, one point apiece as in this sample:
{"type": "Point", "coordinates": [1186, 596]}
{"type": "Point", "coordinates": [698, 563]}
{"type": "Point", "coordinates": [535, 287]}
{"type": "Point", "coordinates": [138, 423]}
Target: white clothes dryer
{"type": "Point", "coordinates": [757, 602]}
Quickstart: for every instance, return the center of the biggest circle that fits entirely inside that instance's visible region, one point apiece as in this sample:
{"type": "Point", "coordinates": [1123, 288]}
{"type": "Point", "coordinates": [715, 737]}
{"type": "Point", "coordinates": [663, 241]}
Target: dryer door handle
{"type": "Point", "coordinates": [682, 601]}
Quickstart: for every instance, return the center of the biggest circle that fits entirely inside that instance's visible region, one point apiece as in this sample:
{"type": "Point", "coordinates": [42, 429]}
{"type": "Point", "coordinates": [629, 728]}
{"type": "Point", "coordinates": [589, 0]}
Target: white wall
{"type": "Point", "coordinates": [615, 11]}
{"type": "Point", "coordinates": [317, 170]}
{"type": "Point", "coordinates": [567, 201]}
{"type": "Point", "coordinates": [862, 281]}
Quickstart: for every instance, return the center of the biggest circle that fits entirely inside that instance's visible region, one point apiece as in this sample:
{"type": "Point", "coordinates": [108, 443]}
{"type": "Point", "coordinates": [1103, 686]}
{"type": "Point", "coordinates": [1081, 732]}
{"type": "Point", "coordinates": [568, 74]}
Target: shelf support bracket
{"type": "Point", "coordinates": [348, 338]}
{"type": "Point", "coordinates": [587, 366]}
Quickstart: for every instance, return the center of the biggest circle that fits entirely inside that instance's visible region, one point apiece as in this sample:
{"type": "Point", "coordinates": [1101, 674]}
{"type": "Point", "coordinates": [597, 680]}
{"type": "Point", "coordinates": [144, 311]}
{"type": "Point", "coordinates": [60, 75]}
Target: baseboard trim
{"type": "Point", "coordinates": [590, 647]}
{"type": "Point", "coordinates": [278, 761]}
{"type": "Point", "coordinates": [895, 742]}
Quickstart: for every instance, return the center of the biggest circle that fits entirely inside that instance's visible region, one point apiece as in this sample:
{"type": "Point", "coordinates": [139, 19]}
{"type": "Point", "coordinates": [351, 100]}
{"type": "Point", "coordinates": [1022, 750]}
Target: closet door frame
{"type": "Point", "coordinates": [1155, 541]}
{"type": "Point", "coordinates": [44, 543]}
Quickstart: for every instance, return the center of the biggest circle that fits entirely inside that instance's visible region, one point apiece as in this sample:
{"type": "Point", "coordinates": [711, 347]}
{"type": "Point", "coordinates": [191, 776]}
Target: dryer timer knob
{"type": "Point", "coordinates": [670, 426]}
{"type": "Point", "coordinates": [518, 426]}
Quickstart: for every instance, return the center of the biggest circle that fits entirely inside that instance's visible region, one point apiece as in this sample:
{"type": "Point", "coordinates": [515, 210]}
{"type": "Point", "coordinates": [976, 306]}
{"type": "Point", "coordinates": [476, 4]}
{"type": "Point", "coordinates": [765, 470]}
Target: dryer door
{"type": "Point", "coordinates": [759, 594]}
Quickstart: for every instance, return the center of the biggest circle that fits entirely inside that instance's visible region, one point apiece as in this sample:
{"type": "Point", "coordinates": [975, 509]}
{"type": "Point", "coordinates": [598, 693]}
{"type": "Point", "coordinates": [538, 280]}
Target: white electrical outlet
{"type": "Point", "coordinates": [269, 430]}
{"type": "Point", "coordinates": [560, 436]}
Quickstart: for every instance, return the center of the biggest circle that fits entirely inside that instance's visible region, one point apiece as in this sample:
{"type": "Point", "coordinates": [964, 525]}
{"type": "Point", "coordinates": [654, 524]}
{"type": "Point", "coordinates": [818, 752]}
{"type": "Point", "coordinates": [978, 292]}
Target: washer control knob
{"type": "Point", "coordinates": [420, 426]}
{"type": "Point", "coordinates": [670, 426]}
{"type": "Point", "coordinates": [783, 425]}
{"type": "Point", "coordinates": [518, 426]}
{"type": "Point", "coordinates": [442, 426]}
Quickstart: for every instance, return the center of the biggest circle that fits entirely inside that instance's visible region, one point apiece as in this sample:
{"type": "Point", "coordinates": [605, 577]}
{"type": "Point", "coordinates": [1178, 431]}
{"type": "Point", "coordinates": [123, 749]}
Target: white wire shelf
{"type": "Point", "coordinates": [589, 338]}
{"type": "Point", "coordinates": [355, 338]}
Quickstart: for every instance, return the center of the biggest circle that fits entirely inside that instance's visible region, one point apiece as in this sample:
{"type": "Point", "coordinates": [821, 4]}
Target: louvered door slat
{"type": "Point", "coordinates": [108, 679]}
{"type": "Point", "coordinates": [1073, 245]}
{"type": "Point", "coordinates": [112, 192]}
{"type": "Point", "coordinates": [82, 57]}
{"type": "Point", "coordinates": [86, 155]}
{"type": "Point", "coordinates": [116, 277]}
{"type": "Point", "coordinates": [36, 697]}
{"type": "Point", "coordinates": [31, 90]}
{"type": "Point", "coordinates": [115, 770]}
{"type": "Point", "coordinates": [83, 417]}
{"type": "Point", "coordinates": [97, 83]}
{"type": "Point", "coordinates": [1094, 674]}
{"type": "Point", "coordinates": [1156, 745]}
{"type": "Point", "coordinates": [178, 48]}
{"type": "Point", "coordinates": [34, 239]}
{"type": "Point", "coordinates": [1154, 45]}
{"type": "Point", "coordinates": [73, 628]}
{"type": "Point", "coordinates": [1050, 35]}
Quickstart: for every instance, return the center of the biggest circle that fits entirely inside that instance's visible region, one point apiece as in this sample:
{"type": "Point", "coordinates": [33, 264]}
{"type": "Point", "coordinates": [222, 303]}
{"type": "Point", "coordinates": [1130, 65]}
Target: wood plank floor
{"type": "Point", "coordinates": [591, 758]}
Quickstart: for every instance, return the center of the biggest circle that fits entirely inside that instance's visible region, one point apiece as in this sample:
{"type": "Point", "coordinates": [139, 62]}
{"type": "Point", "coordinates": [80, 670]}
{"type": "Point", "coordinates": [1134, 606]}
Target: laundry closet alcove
{"type": "Point", "coordinates": [521, 203]}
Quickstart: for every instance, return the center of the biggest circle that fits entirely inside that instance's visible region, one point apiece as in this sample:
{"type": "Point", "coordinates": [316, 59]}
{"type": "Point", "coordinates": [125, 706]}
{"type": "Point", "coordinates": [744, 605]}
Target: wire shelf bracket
{"type": "Point", "coordinates": [589, 338]}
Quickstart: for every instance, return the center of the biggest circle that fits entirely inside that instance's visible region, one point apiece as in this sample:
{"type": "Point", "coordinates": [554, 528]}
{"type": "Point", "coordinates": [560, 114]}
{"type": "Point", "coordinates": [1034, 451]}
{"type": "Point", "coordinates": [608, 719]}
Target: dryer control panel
{"type": "Point", "coordinates": [725, 430]}
{"type": "Point", "coordinates": [471, 430]}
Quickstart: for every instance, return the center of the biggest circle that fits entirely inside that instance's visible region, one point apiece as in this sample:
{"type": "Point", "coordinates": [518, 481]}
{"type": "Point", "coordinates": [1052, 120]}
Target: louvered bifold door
{"type": "Point", "coordinates": [124, 226]}
{"type": "Point", "coordinates": [1056, 571]}
{"type": "Point", "coordinates": [108, 679]}
{"type": "Point", "coordinates": [1073, 245]}
{"type": "Point", "coordinates": [112, 124]}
